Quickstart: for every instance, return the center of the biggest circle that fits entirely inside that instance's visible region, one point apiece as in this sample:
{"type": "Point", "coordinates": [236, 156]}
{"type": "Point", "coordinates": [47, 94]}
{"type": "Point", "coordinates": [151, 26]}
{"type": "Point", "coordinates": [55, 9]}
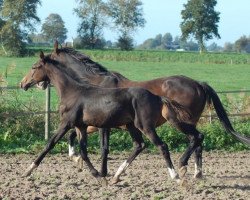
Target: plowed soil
{"type": "Point", "coordinates": [226, 176]}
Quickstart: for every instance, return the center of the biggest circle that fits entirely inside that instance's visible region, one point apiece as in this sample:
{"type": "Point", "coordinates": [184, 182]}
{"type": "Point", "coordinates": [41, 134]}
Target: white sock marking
{"type": "Point", "coordinates": [121, 169]}
{"type": "Point", "coordinates": [71, 151]}
{"type": "Point", "coordinates": [173, 173]}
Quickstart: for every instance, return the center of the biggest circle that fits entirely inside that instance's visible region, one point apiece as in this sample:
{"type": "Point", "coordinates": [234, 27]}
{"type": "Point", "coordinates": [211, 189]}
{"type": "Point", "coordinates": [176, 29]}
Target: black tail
{"type": "Point", "coordinates": [212, 95]}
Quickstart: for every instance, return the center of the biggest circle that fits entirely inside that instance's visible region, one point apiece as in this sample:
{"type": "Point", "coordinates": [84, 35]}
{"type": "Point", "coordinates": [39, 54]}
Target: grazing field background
{"type": "Point", "coordinates": [224, 72]}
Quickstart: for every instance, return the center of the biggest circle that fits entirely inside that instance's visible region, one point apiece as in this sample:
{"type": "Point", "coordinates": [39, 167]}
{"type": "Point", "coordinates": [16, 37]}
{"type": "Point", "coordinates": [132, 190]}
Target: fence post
{"type": "Point", "coordinates": [47, 113]}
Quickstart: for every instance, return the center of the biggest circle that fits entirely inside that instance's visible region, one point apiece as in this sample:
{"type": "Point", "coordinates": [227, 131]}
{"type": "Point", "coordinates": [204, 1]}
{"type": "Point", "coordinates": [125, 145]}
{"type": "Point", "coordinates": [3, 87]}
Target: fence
{"type": "Point", "coordinates": [47, 112]}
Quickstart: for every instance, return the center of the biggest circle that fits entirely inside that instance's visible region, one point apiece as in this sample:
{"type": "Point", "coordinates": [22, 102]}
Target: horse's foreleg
{"type": "Point", "coordinates": [63, 128]}
{"type": "Point", "coordinates": [104, 143]}
{"type": "Point", "coordinates": [139, 146]}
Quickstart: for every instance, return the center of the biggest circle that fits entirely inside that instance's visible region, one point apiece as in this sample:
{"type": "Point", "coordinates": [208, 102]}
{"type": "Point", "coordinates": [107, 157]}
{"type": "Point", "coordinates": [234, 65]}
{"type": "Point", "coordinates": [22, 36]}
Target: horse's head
{"type": "Point", "coordinates": [36, 74]}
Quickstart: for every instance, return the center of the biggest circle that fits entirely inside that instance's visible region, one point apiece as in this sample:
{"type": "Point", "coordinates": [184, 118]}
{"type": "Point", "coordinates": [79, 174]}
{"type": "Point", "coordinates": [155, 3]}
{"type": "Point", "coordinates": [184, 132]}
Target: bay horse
{"type": "Point", "coordinates": [191, 94]}
{"type": "Point", "coordinates": [83, 104]}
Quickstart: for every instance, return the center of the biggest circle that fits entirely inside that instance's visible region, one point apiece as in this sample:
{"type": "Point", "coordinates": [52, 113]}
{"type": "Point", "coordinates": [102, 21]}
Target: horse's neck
{"type": "Point", "coordinates": [60, 80]}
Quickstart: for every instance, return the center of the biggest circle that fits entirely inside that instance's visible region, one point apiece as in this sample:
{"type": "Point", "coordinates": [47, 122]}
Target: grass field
{"type": "Point", "coordinates": [220, 76]}
{"type": "Point", "coordinates": [136, 66]}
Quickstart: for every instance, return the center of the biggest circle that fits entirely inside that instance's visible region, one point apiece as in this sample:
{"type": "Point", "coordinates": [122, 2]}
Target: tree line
{"type": "Point", "coordinates": [199, 22]}
{"type": "Point", "coordinates": [168, 42]}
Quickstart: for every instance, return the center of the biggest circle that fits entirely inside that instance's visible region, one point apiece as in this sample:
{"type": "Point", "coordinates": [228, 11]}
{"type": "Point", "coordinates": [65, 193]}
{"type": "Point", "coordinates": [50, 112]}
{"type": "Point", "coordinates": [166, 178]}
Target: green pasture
{"type": "Point", "coordinates": [222, 77]}
{"type": "Point", "coordinates": [225, 76]}
{"type": "Point", "coordinates": [224, 72]}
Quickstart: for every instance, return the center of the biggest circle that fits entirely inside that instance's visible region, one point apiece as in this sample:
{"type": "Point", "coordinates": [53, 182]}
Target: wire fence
{"type": "Point", "coordinates": [47, 110]}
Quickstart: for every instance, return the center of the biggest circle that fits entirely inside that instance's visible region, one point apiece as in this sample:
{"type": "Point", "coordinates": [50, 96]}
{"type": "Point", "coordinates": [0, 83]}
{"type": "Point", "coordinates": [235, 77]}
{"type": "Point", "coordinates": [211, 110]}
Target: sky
{"type": "Point", "coordinates": [162, 16]}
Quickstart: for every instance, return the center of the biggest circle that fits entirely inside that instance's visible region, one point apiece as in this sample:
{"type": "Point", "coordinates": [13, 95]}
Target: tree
{"type": "Point", "coordinates": [54, 29]}
{"type": "Point", "coordinates": [242, 43]}
{"type": "Point", "coordinates": [148, 44]}
{"type": "Point", "coordinates": [167, 41]}
{"type": "Point", "coordinates": [127, 16]}
{"type": "Point", "coordinates": [37, 39]}
{"type": "Point", "coordinates": [93, 16]}
{"type": "Point", "coordinates": [228, 47]}
{"type": "Point", "coordinates": [214, 47]}
{"type": "Point", "coordinates": [200, 20]}
{"type": "Point", "coordinates": [125, 42]}
{"type": "Point", "coordinates": [16, 20]}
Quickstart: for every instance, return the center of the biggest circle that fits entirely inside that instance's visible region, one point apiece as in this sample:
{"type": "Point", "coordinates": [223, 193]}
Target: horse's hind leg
{"type": "Point", "coordinates": [198, 159]}
{"type": "Point", "coordinates": [104, 135]}
{"type": "Point", "coordinates": [139, 146]}
{"type": "Point", "coordinates": [72, 154]}
{"type": "Point", "coordinates": [195, 138]}
{"type": "Point", "coordinates": [83, 150]}
{"type": "Point", "coordinates": [163, 148]}
{"type": "Point", "coordinates": [71, 140]}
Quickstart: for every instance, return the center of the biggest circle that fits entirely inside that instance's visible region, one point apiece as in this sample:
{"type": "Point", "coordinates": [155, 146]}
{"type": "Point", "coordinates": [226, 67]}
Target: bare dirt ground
{"type": "Point", "coordinates": [226, 176]}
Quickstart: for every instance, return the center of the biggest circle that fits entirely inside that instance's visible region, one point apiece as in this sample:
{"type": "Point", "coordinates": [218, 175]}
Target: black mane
{"type": "Point", "coordinates": [91, 67]}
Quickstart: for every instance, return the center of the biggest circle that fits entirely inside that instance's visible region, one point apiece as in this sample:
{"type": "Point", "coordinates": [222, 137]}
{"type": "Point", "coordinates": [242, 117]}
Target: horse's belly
{"type": "Point", "coordinates": [106, 120]}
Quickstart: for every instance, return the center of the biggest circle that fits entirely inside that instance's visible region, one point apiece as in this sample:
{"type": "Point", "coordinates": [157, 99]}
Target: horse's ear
{"type": "Point", "coordinates": [42, 55]}
{"type": "Point", "coordinates": [56, 46]}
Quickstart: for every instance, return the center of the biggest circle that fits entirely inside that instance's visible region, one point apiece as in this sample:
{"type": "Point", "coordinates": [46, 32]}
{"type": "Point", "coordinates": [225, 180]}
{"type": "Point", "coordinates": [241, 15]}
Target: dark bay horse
{"type": "Point", "coordinates": [191, 94]}
{"type": "Point", "coordinates": [83, 104]}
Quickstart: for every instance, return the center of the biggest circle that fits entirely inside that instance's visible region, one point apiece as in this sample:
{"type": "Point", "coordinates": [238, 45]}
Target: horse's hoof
{"type": "Point", "coordinates": [76, 159]}
{"type": "Point", "coordinates": [104, 182]}
{"type": "Point", "coordinates": [198, 175]}
{"type": "Point", "coordinates": [182, 171]}
{"type": "Point", "coordinates": [26, 174]}
{"type": "Point", "coordinates": [184, 183]}
{"type": "Point", "coordinates": [115, 180]}
{"type": "Point", "coordinates": [30, 170]}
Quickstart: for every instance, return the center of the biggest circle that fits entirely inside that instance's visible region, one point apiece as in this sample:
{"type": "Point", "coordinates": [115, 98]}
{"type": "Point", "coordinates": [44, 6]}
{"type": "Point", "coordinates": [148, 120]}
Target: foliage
{"type": "Point", "coordinates": [20, 132]}
{"type": "Point", "coordinates": [243, 44]}
{"type": "Point", "coordinates": [125, 42]}
{"type": "Point", "coordinates": [228, 47]}
{"type": "Point", "coordinates": [214, 47]}
{"type": "Point", "coordinates": [200, 20]}
{"type": "Point", "coordinates": [92, 14]}
{"type": "Point", "coordinates": [166, 42]}
{"type": "Point", "coordinates": [127, 16]}
{"type": "Point", "coordinates": [54, 29]}
{"type": "Point", "coordinates": [16, 20]}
